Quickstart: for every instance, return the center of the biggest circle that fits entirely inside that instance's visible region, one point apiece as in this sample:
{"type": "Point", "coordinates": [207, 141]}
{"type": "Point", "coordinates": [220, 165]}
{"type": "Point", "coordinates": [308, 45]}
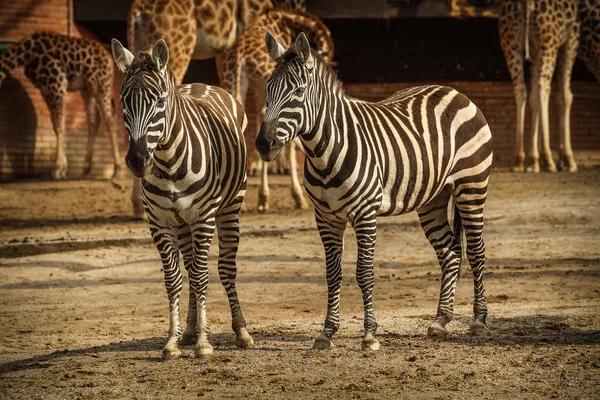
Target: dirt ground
{"type": "Point", "coordinates": [84, 312]}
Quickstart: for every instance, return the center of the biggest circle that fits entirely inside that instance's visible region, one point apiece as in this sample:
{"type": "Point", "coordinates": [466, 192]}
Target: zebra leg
{"type": "Point", "coordinates": [187, 251]}
{"type": "Point", "coordinates": [365, 229]}
{"type": "Point", "coordinates": [228, 229]}
{"type": "Point", "coordinates": [470, 206]}
{"type": "Point", "coordinates": [166, 243]}
{"type": "Point", "coordinates": [202, 233]}
{"type": "Point", "coordinates": [332, 236]}
{"type": "Point", "coordinates": [434, 221]}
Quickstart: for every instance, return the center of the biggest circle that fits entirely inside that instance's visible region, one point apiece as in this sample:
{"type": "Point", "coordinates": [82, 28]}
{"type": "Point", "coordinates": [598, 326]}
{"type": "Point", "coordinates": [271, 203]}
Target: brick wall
{"type": "Point", "coordinates": [27, 138]}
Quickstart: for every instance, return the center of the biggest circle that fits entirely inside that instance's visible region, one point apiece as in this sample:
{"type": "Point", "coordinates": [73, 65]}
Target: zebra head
{"type": "Point", "coordinates": [144, 95]}
{"type": "Point", "coordinates": [290, 100]}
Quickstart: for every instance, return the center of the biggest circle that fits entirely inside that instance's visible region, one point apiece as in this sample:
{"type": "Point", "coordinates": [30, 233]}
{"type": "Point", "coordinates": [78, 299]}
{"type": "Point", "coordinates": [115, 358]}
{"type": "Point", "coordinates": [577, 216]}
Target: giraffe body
{"type": "Point", "coordinates": [247, 66]}
{"type": "Point", "coordinates": [57, 64]}
{"type": "Point", "coordinates": [550, 33]}
{"type": "Point", "coordinates": [199, 28]}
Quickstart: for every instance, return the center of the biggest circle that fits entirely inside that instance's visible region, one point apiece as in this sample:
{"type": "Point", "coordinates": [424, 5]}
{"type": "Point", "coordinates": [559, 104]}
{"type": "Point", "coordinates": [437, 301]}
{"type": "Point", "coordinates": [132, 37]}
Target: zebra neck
{"type": "Point", "coordinates": [170, 156]}
{"type": "Point", "coordinates": [326, 144]}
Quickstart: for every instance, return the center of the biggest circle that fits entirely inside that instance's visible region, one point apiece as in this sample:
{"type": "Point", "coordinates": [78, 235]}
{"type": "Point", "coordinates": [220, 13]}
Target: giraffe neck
{"type": "Point", "coordinates": [314, 29]}
{"type": "Point", "coordinates": [15, 56]}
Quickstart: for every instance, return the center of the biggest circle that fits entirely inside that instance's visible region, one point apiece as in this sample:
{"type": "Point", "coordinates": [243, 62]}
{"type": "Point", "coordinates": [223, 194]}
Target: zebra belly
{"type": "Point", "coordinates": [339, 201]}
{"type": "Point", "coordinates": [175, 209]}
{"type": "Point", "coordinates": [403, 200]}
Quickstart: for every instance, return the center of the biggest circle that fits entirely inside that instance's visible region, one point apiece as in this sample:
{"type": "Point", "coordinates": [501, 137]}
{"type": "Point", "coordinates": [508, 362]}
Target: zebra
{"type": "Point", "coordinates": [186, 144]}
{"type": "Point", "coordinates": [425, 148]}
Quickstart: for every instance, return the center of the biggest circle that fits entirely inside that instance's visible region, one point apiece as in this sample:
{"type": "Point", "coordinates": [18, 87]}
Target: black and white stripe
{"type": "Point", "coordinates": [186, 144]}
{"type": "Point", "coordinates": [426, 149]}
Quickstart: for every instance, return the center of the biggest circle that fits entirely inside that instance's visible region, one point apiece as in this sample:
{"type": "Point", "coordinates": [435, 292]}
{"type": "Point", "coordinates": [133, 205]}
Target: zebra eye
{"type": "Point", "coordinates": [300, 91]}
{"type": "Point", "coordinates": [160, 102]}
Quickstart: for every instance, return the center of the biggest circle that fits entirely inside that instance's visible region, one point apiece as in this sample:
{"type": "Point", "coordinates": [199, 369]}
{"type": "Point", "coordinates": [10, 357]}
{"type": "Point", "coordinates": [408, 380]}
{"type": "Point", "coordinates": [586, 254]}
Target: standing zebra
{"type": "Point", "coordinates": [186, 144]}
{"type": "Point", "coordinates": [424, 149]}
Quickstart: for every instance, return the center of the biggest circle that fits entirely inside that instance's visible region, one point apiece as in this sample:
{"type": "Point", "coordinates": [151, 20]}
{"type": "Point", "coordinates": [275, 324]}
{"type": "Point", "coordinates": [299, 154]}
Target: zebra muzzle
{"type": "Point", "coordinates": [138, 160]}
{"type": "Point", "coordinates": [267, 144]}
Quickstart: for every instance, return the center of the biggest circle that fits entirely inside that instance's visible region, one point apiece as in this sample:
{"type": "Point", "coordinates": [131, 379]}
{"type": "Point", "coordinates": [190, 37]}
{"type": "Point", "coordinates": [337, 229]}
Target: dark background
{"type": "Point", "coordinates": [391, 50]}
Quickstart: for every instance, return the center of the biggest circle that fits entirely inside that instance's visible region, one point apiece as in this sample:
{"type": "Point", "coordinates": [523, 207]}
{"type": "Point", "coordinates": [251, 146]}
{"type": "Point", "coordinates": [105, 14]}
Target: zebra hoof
{"type": "Point", "coordinates": [322, 342]}
{"type": "Point", "coordinates": [437, 330]}
{"type": "Point", "coordinates": [204, 350]}
{"type": "Point", "coordinates": [244, 340]}
{"type": "Point", "coordinates": [171, 353]}
{"type": "Point", "coordinates": [369, 343]}
{"type": "Point", "coordinates": [479, 329]}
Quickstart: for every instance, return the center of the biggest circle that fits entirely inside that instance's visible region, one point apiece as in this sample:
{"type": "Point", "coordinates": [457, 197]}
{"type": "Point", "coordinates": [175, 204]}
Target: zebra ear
{"type": "Point", "coordinates": [303, 50]}
{"type": "Point", "coordinates": [160, 54]}
{"type": "Point", "coordinates": [274, 49]}
{"type": "Point", "coordinates": [122, 56]}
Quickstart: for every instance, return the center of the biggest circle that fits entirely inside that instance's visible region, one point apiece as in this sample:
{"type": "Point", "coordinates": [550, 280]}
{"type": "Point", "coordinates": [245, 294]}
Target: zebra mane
{"type": "Point", "coordinates": [326, 73]}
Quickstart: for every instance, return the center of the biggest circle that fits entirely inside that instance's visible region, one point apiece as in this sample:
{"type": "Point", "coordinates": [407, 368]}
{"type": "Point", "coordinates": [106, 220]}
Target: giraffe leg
{"type": "Point", "coordinates": [228, 229]}
{"type": "Point", "coordinates": [548, 161]}
{"type": "Point", "coordinates": [365, 229]}
{"type": "Point", "coordinates": [55, 101]}
{"type": "Point", "coordinates": [511, 25]}
{"type": "Point", "coordinates": [166, 242]}
{"type": "Point", "coordinates": [332, 236]}
{"type": "Point", "coordinates": [535, 106]}
{"type": "Point", "coordinates": [566, 59]}
{"type": "Point", "coordinates": [202, 233]}
{"type": "Point", "coordinates": [297, 192]}
{"type": "Point", "coordinates": [103, 98]}
{"type": "Point", "coordinates": [136, 199]}
{"type": "Point", "coordinates": [434, 221]}
{"type": "Point", "coordinates": [521, 99]}
{"type": "Point", "coordinates": [263, 191]}
{"type": "Point", "coordinates": [93, 121]}
{"type": "Point", "coordinates": [543, 63]}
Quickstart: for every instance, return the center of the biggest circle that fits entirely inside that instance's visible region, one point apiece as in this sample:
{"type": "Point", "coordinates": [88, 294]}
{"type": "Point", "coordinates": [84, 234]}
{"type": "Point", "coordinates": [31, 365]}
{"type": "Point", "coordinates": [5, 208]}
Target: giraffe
{"type": "Point", "coordinates": [56, 64]}
{"type": "Point", "coordinates": [248, 65]}
{"type": "Point", "coordinates": [555, 33]}
{"type": "Point", "coordinates": [199, 28]}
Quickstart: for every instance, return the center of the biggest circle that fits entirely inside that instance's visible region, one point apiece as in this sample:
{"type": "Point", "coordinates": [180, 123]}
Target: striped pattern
{"type": "Point", "coordinates": [186, 143]}
{"type": "Point", "coordinates": [425, 149]}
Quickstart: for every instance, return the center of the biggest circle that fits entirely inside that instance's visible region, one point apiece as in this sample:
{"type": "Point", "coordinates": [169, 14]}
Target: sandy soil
{"type": "Point", "coordinates": [83, 310]}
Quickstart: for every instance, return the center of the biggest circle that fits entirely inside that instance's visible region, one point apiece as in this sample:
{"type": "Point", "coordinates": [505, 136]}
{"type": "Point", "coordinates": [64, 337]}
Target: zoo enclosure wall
{"type": "Point", "coordinates": [374, 57]}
